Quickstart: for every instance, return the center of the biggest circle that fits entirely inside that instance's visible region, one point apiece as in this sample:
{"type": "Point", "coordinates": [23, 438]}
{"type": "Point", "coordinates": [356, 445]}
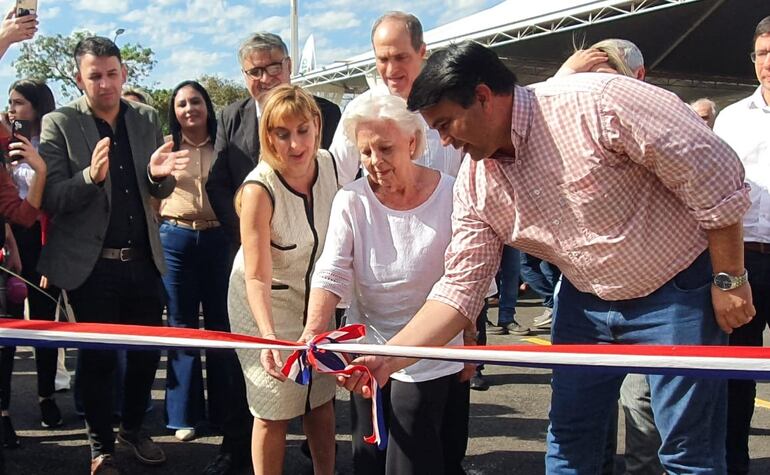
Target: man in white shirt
{"type": "Point", "coordinates": [745, 125]}
{"type": "Point", "coordinates": [399, 51]}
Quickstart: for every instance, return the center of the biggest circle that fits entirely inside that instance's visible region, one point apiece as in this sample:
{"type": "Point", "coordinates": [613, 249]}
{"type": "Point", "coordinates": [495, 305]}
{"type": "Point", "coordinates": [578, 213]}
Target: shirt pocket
{"type": "Point", "coordinates": [605, 199]}
{"type": "Point", "coordinates": [282, 254]}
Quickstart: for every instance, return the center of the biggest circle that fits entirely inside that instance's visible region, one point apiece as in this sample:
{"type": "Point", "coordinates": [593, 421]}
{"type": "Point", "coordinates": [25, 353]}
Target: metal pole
{"type": "Point", "coordinates": [295, 59]}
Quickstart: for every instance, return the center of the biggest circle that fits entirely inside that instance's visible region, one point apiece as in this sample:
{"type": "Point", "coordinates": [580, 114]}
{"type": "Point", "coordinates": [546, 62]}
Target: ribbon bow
{"type": "Point", "coordinates": [300, 365]}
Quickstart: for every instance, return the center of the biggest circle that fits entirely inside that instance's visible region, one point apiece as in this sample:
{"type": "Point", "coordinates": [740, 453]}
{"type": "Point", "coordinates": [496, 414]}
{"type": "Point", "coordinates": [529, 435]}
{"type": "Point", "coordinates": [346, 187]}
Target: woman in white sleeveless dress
{"type": "Point", "coordinates": [284, 206]}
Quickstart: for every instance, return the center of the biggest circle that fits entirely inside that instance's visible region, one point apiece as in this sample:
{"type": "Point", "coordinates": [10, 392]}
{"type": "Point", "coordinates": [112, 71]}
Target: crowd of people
{"type": "Point", "coordinates": [448, 183]}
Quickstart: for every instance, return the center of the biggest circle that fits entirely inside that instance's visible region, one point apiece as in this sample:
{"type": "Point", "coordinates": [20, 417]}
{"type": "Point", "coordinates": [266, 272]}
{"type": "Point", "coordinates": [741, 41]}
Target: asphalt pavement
{"type": "Point", "coordinates": [508, 425]}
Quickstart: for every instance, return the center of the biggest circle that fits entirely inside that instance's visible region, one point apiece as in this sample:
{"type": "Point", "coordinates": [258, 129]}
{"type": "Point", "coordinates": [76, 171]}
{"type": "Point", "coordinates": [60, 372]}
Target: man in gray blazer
{"type": "Point", "coordinates": [105, 160]}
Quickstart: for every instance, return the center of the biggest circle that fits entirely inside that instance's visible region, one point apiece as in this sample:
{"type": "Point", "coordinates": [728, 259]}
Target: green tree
{"type": "Point", "coordinates": [160, 99]}
{"type": "Point", "coordinates": [222, 91]}
{"type": "Point", "coordinates": [49, 58]}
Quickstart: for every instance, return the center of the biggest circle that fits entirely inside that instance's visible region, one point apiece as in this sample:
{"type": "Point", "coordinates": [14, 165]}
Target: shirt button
{"type": "Point", "coordinates": [595, 281]}
{"type": "Point", "coordinates": [562, 202]}
{"type": "Point", "coordinates": [518, 163]}
{"type": "Point", "coordinates": [536, 192]}
{"type": "Point", "coordinates": [121, 167]}
{"type": "Point", "coordinates": [126, 190]}
{"type": "Point", "coordinates": [556, 222]}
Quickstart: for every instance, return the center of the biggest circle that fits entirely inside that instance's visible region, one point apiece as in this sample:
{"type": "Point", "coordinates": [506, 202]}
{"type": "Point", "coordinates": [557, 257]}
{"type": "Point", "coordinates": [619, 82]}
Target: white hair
{"type": "Point", "coordinates": [385, 108]}
{"type": "Point", "coordinates": [707, 102]}
{"type": "Point", "coordinates": [632, 56]}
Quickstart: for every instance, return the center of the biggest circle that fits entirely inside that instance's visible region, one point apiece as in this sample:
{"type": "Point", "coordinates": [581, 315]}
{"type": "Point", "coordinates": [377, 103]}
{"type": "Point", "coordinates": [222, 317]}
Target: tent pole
{"type": "Point", "coordinates": [687, 33]}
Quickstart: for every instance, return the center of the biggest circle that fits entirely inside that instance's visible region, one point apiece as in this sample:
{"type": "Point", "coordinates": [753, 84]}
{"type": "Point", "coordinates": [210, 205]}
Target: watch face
{"type": "Point", "coordinates": [723, 281]}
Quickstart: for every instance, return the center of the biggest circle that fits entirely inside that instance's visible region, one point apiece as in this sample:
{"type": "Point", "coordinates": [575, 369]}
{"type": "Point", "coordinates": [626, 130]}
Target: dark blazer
{"type": "Point", "coordinates": [236, 152]}
{"type": "Point", "coordinates": [80, 209]}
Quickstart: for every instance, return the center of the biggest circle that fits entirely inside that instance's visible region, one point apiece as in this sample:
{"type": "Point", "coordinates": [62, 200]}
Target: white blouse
{"type": "Point", "coordinates": [385, 262]}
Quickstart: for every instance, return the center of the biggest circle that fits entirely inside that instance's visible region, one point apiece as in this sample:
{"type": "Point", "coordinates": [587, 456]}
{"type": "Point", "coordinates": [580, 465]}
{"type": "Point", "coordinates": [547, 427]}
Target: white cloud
{"type": "Point", "coordinates": [332, 20]}
{"type": "Point", "coordinates": [102, 6]}
{"type": "Point", "coordinates": [50, 13]}
{"type": "Point", "coordinates": [188, 64]}
{"type": "Point", "coordinates": [195, 57]}
{"type": "Point", "coordinates": [103, 29]}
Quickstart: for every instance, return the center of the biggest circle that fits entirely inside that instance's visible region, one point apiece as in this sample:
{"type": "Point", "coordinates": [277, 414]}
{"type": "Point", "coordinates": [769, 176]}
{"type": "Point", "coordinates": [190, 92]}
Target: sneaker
{"type": "Point", "coordinates": [184, 434]}
{"type": "Point", "coordinates": [543, 320]}
{"type": "Point", "coordinates": [10, 440]}
{"type": "Point", "coordinates": [104, 465]}
{"type": "Point", "coordinates": [50, 416]}
{"type": "Point", "coordinates": [501, 330]}
{"type": "Point", "coordinates": [478, 383]}
{"type": "Point", "coordinates": [145, 450]}
{"type": "Point", "coordinates": [510, 329]}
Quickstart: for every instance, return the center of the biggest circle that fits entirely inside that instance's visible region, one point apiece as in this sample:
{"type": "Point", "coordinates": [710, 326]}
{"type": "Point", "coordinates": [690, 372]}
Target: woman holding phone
{"type": "Point", "coordinates": [28, 102]}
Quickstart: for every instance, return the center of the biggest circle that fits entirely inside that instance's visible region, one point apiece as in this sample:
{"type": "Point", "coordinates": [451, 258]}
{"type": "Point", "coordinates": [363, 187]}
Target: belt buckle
{"type": "Point", "coordinates": [124, 257]}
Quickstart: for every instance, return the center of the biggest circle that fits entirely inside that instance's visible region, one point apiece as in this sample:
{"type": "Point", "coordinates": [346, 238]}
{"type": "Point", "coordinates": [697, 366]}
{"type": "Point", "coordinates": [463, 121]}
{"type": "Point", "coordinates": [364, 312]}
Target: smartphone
{"type": "Point", "coordinates": [20, 127]}
{"type": "Point", "coordinates": [25, 7]}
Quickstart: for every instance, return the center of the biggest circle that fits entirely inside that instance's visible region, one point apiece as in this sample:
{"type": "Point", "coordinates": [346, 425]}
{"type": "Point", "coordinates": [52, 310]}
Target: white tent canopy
{"type": "Point", "coordinates": [535, 36]}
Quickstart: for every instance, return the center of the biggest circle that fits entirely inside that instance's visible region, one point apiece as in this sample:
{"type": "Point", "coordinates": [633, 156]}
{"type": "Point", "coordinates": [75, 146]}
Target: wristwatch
{"type": "Point", "coordinates": [724, 281]}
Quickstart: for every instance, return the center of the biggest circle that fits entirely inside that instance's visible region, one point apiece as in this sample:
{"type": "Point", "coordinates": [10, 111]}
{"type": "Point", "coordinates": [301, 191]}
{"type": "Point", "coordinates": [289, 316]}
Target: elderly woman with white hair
{"type": "Point", "coordinates": [384, 251]}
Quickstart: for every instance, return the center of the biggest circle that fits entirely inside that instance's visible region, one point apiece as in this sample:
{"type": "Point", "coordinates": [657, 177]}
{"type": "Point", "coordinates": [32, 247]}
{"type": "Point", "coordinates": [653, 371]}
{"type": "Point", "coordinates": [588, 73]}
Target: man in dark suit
{"type": "Point", "coordinates": [265, 63]}
{"type": "Point", "coordinates": [105, 160]}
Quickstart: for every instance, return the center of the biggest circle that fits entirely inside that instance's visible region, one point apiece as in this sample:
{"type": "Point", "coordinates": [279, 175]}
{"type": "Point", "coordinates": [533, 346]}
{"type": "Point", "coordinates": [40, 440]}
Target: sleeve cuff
{"type": "Point", "coordinates": [728, 212]}
{"type": "Point", "coordinates": [467, 306]}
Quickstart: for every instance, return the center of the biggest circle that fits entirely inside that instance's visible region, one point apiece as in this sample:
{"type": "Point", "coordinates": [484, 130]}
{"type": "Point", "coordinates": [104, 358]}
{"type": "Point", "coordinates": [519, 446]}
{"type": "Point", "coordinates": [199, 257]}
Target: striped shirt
{"type": "Point", "coordinates": [612, 180]}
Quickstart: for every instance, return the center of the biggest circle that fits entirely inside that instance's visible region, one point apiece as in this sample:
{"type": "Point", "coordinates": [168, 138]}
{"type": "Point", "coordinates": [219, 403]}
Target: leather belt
{"type": "Point", "coordinates": [194, 224]}
{"type": "Point", "coordinates": [124, 254]}
{"type": "Point", "coordinates": [760, 247]}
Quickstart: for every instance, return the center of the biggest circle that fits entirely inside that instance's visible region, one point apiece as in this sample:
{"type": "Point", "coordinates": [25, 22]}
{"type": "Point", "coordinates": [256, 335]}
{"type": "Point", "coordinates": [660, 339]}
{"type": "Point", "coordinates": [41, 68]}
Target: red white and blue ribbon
{"type": "Point", "coordinates": [332, 352]}
{"type": "Point", "coordinates": [322, 355]}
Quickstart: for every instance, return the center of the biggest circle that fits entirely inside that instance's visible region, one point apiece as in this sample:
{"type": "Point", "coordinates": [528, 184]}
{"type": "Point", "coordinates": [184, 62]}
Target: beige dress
{"type": "Point", "coordinates": [298, 231]}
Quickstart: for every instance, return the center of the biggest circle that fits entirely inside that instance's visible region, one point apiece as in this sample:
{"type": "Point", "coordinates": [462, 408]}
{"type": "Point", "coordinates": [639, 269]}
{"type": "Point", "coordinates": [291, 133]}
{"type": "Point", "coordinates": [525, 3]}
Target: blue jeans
{"type": "Point", "coordinates": [541, 276]}
{"type": "Point", "coordinates": [690, 412]}
{"type": "Point", "coordinates": [508, 285]}
{"type": "Point", "coordinates": [198, 267]}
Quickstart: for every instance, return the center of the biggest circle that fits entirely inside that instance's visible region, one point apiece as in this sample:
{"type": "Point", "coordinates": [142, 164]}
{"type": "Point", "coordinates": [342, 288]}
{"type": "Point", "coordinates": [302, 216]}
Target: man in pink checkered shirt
{"type": "Point", "coordinates": [626, 190]}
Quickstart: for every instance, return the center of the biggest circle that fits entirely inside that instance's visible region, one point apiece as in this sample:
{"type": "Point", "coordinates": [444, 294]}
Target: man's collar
{"type": "Point", "coordinates": [757, 100]}
{"type": "Point", "coordinates": [521, 116]}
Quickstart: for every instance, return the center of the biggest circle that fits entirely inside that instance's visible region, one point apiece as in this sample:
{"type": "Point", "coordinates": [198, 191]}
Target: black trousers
{"type": "Point", "coordinates": [427, 428]}
{"type": "Point", "coordinates": [740, 392]}
{"type": "Point", "coordinates": [126, 293]}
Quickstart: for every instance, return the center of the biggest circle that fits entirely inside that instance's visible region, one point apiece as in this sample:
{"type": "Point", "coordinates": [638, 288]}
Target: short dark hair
{"type": "Point", "coordinates": [411, 23]}
{"type": "Point", "coordinates": [38, 94]}
{"type": "Point", "coordinates": [173, 124]}
{"type": "Point", "coordinates": [98, 46]}
{"type": "Point", "coordinates": [454, 72]}
{"type": "Point", "coordinates": [763, 28]}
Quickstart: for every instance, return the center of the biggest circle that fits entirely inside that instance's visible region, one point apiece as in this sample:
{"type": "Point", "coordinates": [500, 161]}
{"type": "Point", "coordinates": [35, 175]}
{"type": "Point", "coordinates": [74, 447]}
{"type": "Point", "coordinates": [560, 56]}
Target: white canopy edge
{"type": "Point", "coordinates": [507, 22]}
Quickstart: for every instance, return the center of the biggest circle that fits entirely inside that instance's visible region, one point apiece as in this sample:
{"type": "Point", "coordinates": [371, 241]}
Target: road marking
{"type": "Point", "coordinates": [543, 342]}
{"type": "Point", "coordinates": [762, 403]}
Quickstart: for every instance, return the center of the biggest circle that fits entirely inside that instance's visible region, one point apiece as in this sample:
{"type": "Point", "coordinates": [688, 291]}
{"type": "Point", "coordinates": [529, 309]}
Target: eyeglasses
{"type": "Point", "coordinates": [758, 56]}
{"type": "Point", "coordinates": [272, 69]}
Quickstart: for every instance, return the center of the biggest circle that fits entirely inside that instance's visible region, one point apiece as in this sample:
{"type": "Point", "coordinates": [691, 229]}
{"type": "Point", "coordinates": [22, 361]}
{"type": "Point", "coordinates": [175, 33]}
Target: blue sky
{"type": "Point", "coordinates": [193, 37]}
